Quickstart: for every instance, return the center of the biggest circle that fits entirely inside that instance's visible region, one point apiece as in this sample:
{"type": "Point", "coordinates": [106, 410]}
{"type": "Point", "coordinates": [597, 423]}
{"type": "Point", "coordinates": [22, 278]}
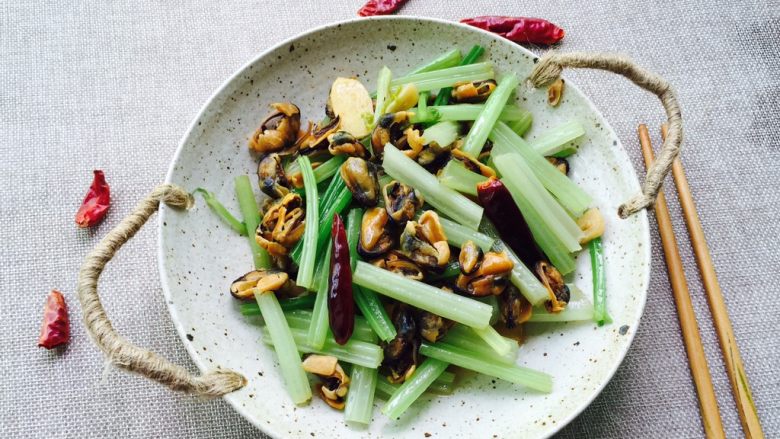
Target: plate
{"type": "Point", "coordinates": [199, 256]}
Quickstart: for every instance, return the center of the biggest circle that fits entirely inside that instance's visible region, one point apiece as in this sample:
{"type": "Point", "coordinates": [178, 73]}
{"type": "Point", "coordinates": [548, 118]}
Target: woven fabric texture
{"type": "Point", "coordinates": [113, 85]}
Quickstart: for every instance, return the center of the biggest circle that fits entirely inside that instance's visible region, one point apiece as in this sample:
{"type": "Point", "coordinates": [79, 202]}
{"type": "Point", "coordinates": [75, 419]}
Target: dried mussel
{"type": "Point", "coordinates": [473, 164]}
{"type": "Point", "coordinates": [556, 287]}
{"type": "Point", "coordinates": [260, 280]}
{"type": "Point", "coordinates": [282, 225]}
{"type": "Point", "coordinates": [376, 233]}
{"type": "Point", "coordinates": [425, 243]}
{"type": "Point", "coordinates": [397, 263]}
{"type": "Point", "coordinates": [270, 172]}
{"type": "Point", "coordinates": [470, 257]}
{"type": "Point", "coordinates": [395, 128]}
{"type": "Point", "coordinates": [360, 177]}
{"type": "Point", "coordinates": [515, 308]}
{"type": "Point", "coordinates": [432, 327]}
{"type": "Point", "coordinates": [334, 383]}
{"type": "Point", "coordinates": [489, 279]}
{"type": "Point", "coordinates": [401, 353]}
{"type": "Point", "coordinates": [401, 201]}
{"type": "Point", "coordinates": [560, 164]}
{"type": "Point", "coordinates": [278, 130]}
{"type": "Point", "coordinates": [344, 143]}
{"type": "Point", "coordinates": [472, 92]}
{"type": "Point", "coordinates": [317, 139]}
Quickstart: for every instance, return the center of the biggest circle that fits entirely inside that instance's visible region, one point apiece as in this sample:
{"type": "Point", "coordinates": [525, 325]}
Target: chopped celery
{"type": "Point", "coordinates": [413, 387]}
{"type": "Point", "coordinates": [329, 168]}
{"type": "Point", "coordinates": [354, 220]}
{"type": "Point", "coordinates": [496, 341]}
{"type": "Point", "coordinates": [318, 329]}
{"type": "Point", "coordinates": [476, 51]}
{"type": "Point", "coordinates": [456, 177]}
{"type": "Point", "coordinates": [510, 113]}
{"type": "Point", "coordinates": [571, 196]}
{"type": "Point", "coordinates": [579, 308]}
{"type": "Point", "coordinates": [283, 341]}
{"type": "Point", "coordinates": [385, 389]}
{"type": "Point", "coordinates": [301, 319]}
{"type": "Point", "coordinates": [484, 123]}
{"type": "Point", "coordinates": [466, 338]}
{"type": "Point", "coordinates": [337, 197]}
{"type": "Point", "coordinates": [558, 140]}
{"type": "Point", "coordinates": [520, 126]}
{"type": "Point", "coordinates": [446, 77]}
{"type": "Point", "coordinates": [354, 351]}
{"type": "Point", "coordinates": [382, 93]}
{"type": "Point", "coordinates": [448, 305]}
{"type": "Point", "coordinates": [360, 398]}
{"type": "Point", "coordinates": [493, 302]}
{"type": "Point", "coordinates": [450, 58]}
{"type": "Point", "coordinates": [217, 207]}
{"type": "Point", "coordinates": [443, 133]}
{"type": "Point", "coordinates": [294, 303]}
{"type": "Point", "coordinates": [309, 249]}
{"type": "Point", "coordinates": [444, 199]}
{"type": "Point", "coordinates": [451, 270]}
{"type": "Point", "coordinates": [599, 272]}
{"type": "Point", "coordinates": [422, 103]}
{"type": "Point", "coordinates": [468, 360]}
{"type": "Point", "coordinates": [458, 234]}
{"type": "Point", "coordinates": [251, 213]}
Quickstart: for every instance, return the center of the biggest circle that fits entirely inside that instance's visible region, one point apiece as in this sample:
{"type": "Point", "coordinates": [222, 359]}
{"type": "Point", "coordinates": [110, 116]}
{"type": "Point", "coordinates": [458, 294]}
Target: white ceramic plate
{"type": "Point", "coordinates": [199, 256]}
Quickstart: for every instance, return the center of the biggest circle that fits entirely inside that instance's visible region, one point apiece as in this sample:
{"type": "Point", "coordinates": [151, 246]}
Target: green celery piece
{"type": "Point", "coordinates": [217, 207]}
{"type": "Point", "coordinates": [437, 79]}
{"type": "Point", "coordinates": [251, 213]}
{"type": "Point", "coordinates": [294, 303]}
{"type": "Point", "coordinates": [443, 133]}
{"type": "Point", "coordinates": [466, 338]}
{"type": "Point", "coordinates": [360, 398]}
{"type": "Point", "coordinates": [578, 309]}
{"type": "Point", "coordinates": [476, 51]}
{"type": "Point", "coordinates": [483, 124]}
{"type": "Point", "coordinates": [599, 273]}
{"type": "Point", "coordinates": [309, 249]}
{"type": "Point", "coordinates": [383, 90]}
{"type": "Point", "coordinates": [354, 351]}
{"type": "Point", "coordinates": [318, 329]}
{"type": "Point", "coordinates": [329, 168]}
{"type": "Point", "coordinates": [413, 387]}
{"type": "Point", "coordinates": [456, 177]}
{"type": "Point", "coordinates": [450, 58]}
{"type": "Point", "coordinates": [510, 113]}
{"type": "Point", "coordinates": [557, 140]}
{"type": "Point", "coordinates": [458, 234]}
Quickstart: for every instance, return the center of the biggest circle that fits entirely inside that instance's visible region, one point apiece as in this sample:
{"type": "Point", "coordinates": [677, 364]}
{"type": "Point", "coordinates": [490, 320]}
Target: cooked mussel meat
{"type": "Point", "coordinates": [425, 243]}
{"type": "Point", "coordinates": [490, 278]}
{"type": "Point", "coordinates": [401, 201]}
{"type": "Point", "coordinates": [376, 233]}
{"type": "Point", "coordinates": [474, 91]}
{"type": "Point", "coordinates": [473, 164]}
{"type": "Point", "coordinates": [592, 225]}
{"type": "Point", "coordinates": [344, 143]}
{"type": "Point", "coordinates": [401, 353]}
{"type": "Point", "coordinates": [560, 164]}
{"type": "Point", "coordinates": [390, 128]}
{"type": "Point", "coordinates": [556, 287]}
{"type": "Point", "coordinates": [270, 172]}
{"type": "Point", "coordinates": [317, 139]}
{"type": "Point", "coordinates": [282, 225]}
{"type": "Point", "coordinates": [260, 280]}
{"type": "Point", "coordinates": [360, 177]}
{"type": "Point", "coordinates": [398, 263]}
{"type": "Point", "coordinates": [515, 308]}
{"type": "Point", "coordinates": [433, 327]}
{"type": "Point", "coordinates": [470, 257]}
{"type": "Point", "coordinates": [334, 382]}
{"type": "Point", "coordinates": [278, 130]}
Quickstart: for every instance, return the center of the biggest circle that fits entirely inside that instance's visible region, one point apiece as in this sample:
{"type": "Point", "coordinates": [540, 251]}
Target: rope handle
{"type": "Point", "coordinates": [117, 349]}
{"type": "Point", "coordinates": [549, 68]}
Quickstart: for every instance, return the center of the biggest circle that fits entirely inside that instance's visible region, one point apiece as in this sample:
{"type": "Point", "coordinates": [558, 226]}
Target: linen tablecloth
{"type": "Point", "coordinates": [113, 85]}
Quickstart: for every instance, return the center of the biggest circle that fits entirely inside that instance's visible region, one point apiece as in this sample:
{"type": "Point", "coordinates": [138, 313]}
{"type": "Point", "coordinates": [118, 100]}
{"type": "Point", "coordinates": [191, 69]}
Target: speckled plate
{"type": "Point", "coordinates": [199, 256]}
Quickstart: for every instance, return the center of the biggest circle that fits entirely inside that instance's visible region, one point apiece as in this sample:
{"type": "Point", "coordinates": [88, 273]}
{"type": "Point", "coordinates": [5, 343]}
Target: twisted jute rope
{"type": "Point", "coordinates": [549, 68]}
{"type": "Point", "coordinates": [117, 349]}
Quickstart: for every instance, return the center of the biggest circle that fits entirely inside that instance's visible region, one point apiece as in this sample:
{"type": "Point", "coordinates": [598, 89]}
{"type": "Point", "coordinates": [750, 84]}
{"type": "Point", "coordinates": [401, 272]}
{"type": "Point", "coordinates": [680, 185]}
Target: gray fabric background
{"type": "Point", "coordinates": [113, 85]}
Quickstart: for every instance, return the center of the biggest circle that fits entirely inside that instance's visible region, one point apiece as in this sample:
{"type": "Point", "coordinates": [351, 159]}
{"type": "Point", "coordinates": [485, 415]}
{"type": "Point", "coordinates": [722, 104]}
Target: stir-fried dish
{"type": "Point", "coordinates": [411, 232]}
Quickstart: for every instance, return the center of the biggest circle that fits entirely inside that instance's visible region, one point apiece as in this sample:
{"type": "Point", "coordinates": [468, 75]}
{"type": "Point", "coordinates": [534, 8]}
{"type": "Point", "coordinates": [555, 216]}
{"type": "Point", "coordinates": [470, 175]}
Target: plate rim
{"type": "Point", "coordinates": [163, 210]}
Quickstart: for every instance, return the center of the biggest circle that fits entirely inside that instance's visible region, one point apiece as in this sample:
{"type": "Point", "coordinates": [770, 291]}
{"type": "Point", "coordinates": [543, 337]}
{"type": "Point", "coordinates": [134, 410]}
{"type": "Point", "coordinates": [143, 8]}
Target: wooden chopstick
{"type": "Point", "coordinates": [748, 415]}
{"type": "Point", "coordinates": [708, 404]}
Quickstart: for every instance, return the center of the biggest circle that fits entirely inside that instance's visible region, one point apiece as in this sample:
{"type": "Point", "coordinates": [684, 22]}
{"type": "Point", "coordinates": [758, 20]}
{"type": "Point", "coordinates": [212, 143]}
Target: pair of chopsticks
{"type": "Point", "coordinates": [708, 404]}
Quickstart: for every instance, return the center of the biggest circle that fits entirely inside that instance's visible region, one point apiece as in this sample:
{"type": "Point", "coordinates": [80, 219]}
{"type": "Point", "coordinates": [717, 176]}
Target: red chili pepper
{"type": "Point", "coordinates": [380, 7]}
{"type": "Point", "coordinates": [519, 29]}
{"type": "Point", "coordinates": [502, 211]}
{"type": "Point", "coordinates": [95, 205]}
{"type": "Point", "coordinates": [341, 306]}
{"type": "Point", "coordinates": [55, 329]}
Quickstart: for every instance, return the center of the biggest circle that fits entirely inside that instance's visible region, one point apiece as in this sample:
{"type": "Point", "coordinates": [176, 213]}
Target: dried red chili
{"type": "Point", "coordinates": [502, 211]}
{"type": "Point", "coordinates": [95, 205]}
{"type": "Point", "coordinates": [341, 306]}
{"type": "Point", "coordinates": [519, 29]}
{"type": "Point", "coordinates": [55, 329]}
{"type": "Point", "coordinates": [380, 7]}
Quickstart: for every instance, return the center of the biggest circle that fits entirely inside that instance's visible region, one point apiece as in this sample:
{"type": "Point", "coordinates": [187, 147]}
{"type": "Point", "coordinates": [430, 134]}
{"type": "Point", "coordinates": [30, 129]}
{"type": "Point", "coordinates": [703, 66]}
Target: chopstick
{"type": "Point", "coordinates": [708, 404]}
{"type": "Point", "coordinates": [751, 425]}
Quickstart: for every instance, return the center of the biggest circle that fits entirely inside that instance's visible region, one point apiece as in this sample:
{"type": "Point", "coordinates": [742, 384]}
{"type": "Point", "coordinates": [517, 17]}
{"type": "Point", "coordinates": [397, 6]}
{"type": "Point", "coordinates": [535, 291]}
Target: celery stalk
{"type": "Point", "coordinates": [301, 319]}
{"type": "Point", "coordinates": [309, 252]}
{"type": "Point", "coordinates": [385, 389]}
{"type": "Point", "coordinates": [329, 168]}
{"type": "Point", "coordinates": [295, 303]}
{"type": "Point", "coordinates": [450, 58]}
{"type": "Point", "coordinates": [520, 126]}
{"type": "Point", "coordinates": [579, 308]}
{"type": "Point", "coordinates": [354, 351]}
{"type": "Point", "coordinates": [496, 341]}
{"type": "Point", "coordinates": [524, 279]}
{"type": "Point", "coordinates": [484, 123]}
{"type": "Point", "coordinates": [435, 113]}
{"type": "Point", "coordinates": [318, 329]}
{"type": "Point", "coordinates": [444, 199]}
{"type": "Point", "coordinates": [412, 388]}
{"type": "Point", "coordinates": [458, 234]}
{"type": "Point", "coordinates": [571, 196]}
{"type": "Point", "coordinates": [520, 375]}
{"type": "Point", "coordinates": [436, 79]}
{"type": "Point", "coordinates": [382, 92]}
{"type": "Point", "coordinates": [217, 207]}
{"type": "Point", "coordinates": [448, 305]}
{"type": "Point", "coordinates": [558, 140]}
{"type": "Point", "coordinates": [251, 213]}
{"type": "Point", "coordinates": [294, 376]}
{"type": "Point", "coordinates": [442, 133]}
{"type": "Point", "coordinates": [476, 51]}
{"type": "Point", "coordinates": [456, 177]}
{"type": "Point", "coordinates": [360, 398]}
{"type": "Point", "coordinates": [467, 339]}
{"type": "Point", "coordinates": [600, 314]}
{"type": "Point", "coordinates": [336, 198]}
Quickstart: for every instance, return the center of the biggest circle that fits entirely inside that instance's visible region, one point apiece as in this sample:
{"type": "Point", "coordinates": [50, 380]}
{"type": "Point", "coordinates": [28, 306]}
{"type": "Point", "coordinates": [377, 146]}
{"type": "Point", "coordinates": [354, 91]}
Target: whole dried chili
{"type": "Point", "coordinates": [55, 329]}
{"type": "Point", "coordinates": [502, 211]}
{"type": "Point", "coordinates": [341, 306]}
{"type": "Point", "coordinates": [380, 7]}
{"type": "Point", "coordinates": [519, 29]}
{"type": "Point", "coordinates": [95, 205]}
